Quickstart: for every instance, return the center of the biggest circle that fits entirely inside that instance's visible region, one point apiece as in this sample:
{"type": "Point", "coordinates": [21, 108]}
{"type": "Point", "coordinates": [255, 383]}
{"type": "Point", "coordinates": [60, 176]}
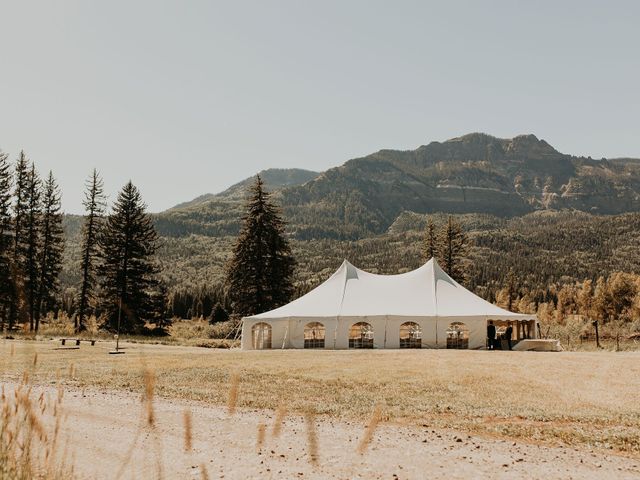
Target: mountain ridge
{"type": "Point", "coordinates": [473, 173]}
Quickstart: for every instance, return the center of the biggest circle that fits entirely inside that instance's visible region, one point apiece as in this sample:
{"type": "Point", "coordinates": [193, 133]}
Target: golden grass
{"type": "Point", "coordinates": [29, 446]}
{"type": "Point", "coordinates": [188, 431]}
{"type": "Point", "coordinates": [195, 333]}
{"type": "Point", "coordinates": [262, 429]}
{"type": "Point", "coordinates": [234, 386]}
{"type": "Point", "coordinates": [376, 416]}
{"type": "Point", "coordinates": [312, 436]}
{"type": "Point", "coordinates": [281, 413]}
{"type": "Point", "coordinates": [575, 398]}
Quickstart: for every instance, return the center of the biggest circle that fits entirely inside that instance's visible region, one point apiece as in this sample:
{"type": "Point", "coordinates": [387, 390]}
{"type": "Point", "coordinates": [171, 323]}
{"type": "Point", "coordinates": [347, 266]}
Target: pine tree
{"type": "Point", "coordinates": [33, 239]}
{"type": "Point", "coordinates": [453, 250]}
{"type": "Point", "coordinates": [20, 216]}
{"type": "Point", "coordinates": [5, 238]}
{"type": "Point", "coordinates": [94, 204]}
{"type": "Point", "coordinates": [129, 273]}
{"type": "Point", "coordinates": [430, 249]}
{"type": "Point", "coordinates": [218, 314]}
{"type": "Point", "coordinates": [511, 289]}
{"type": "Point", "coordinates": [259, 276]}
{"type": "Point", "coordinates": [52, 249]}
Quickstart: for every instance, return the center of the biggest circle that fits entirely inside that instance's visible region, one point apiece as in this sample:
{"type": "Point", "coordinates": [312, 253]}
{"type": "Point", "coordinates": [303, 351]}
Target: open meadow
{"type": "Point", "coordinates": [582, 400]}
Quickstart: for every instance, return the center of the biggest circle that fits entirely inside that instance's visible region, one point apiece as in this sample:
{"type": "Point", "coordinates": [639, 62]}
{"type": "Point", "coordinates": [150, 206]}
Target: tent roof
{"type": "Point", "coordinates": [425, 292]}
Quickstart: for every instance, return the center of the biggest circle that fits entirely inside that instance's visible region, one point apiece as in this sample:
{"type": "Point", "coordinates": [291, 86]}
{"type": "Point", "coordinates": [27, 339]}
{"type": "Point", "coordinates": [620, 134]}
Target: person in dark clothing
{"type": "Point", "coordinates": [507, 334]}
{"type": "Point", "coordinates": [491, 335]}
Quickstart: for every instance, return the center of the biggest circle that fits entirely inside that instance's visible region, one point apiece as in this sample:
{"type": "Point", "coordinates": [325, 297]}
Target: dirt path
{"type": "Point", "coordinates": [101, 429]}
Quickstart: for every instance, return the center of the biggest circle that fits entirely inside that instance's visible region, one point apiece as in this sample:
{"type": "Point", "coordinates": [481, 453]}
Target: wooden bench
{"type": "Point", "coordinates": [77, 340]}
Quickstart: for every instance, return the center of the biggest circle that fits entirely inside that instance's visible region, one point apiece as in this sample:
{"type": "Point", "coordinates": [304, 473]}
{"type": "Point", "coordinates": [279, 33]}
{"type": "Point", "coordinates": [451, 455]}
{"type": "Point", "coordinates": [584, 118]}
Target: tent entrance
{"type": "Point", "coordinates": [520, 330]}
{"type": "Point", "coordinates": [410, 335]}
{"type": "Point", "coordinates": [458, 336]}
{"type": "Point", "coordinates": [361, 335]}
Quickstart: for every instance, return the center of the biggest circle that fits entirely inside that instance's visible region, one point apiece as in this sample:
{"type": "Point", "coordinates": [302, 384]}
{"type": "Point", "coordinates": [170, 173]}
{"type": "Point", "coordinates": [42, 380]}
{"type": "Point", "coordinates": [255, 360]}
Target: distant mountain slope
{"type": "Point", "coordinates": [475, 173]}
{"type": "Point", "coordinates": [273, 178]}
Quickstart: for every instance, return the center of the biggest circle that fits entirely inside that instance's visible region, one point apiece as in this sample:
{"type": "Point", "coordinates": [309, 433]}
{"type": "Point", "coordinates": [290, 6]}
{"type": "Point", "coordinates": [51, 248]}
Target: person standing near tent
{"type": "Point", "coordinates": [508, 334]}
{"type": "Point", "coordinates": [491, 335]}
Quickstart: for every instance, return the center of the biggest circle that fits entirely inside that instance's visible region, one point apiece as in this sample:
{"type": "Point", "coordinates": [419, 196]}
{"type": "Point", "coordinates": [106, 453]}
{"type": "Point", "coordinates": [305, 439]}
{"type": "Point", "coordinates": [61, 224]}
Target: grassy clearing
{"type": "Point", "coordinates": [192, 333]}
{"type": "Point", "coordinates": [574, 398]}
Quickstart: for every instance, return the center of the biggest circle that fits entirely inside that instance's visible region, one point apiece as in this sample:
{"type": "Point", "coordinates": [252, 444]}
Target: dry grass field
{"type": "Point", "coordinates": [581, 399]}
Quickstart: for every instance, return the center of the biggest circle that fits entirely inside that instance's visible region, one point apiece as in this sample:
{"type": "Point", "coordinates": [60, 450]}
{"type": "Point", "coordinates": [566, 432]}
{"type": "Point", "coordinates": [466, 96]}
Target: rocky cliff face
{"type": "Point", "coordinates": [475, 173]}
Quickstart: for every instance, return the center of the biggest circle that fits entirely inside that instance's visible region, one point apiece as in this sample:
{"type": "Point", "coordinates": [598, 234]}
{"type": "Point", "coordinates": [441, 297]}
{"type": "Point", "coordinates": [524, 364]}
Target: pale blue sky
{"type": "Point", "coordinates": [188, 97]}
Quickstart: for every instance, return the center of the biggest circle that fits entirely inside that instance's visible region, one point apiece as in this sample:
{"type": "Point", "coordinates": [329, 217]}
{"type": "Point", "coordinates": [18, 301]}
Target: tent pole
{"type": "Point", "coordinates": [286, 332]}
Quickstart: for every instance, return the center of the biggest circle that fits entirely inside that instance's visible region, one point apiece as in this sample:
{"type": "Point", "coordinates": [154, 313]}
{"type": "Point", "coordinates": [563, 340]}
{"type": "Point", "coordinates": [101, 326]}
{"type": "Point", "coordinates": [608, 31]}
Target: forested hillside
{"type": "Point", "coordinates": [541, 247]}
{"type": "Point", "coordinates": [476, 173]}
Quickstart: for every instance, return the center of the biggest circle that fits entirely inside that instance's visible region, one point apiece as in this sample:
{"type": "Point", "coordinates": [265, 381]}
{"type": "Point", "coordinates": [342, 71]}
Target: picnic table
{"type": "Point", "coordinates": [77, 340]}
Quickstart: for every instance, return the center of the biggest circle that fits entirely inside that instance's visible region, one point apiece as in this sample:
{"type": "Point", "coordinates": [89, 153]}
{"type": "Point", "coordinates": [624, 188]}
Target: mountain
{"type": "Point", "coordinates": [219, 214]}
{"type": "Point", "coordinates": [475, 173]}
{"type": "Point", "coordinates": [525, 206]}
{"type": "Point", "coordinates": [274, 179]}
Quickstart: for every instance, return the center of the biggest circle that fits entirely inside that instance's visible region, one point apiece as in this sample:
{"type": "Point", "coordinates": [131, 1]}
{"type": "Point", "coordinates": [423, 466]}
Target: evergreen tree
{"type": "Point", "coordinates": [511, 289]}
{"type": "Point", "coordinates": [218, 314]}
{"type": "Point", "coordinates": [453, 250]}
{"type": "Point", "coordinates": [94, 204]}
{"type": "Point", "coordinates": [33, 238]}
{"type": "Point", "coordinates": [159, 302]}
{"type": "Point", "coordinates": [259, 275]}
{"type": "Point", "coordinates": [5, 238]}
{"type": "Point", "coordinates": [20, 244]}
{"type": "Point", "coordinates": [52, 249]}
{"type": "Point", "coordinates": [430, 249]}
{"type": "Point", "coordinates": [129, 273]}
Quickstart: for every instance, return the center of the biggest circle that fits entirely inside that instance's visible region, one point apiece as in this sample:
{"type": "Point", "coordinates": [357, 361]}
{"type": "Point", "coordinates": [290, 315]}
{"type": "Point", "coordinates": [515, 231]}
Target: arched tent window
{"type": "Point", "coordinates": [314, 334]}
{"type": "Point", "coordinates": [261, 336]}
{"type": "Point", "coordinates": [410, 335]}
{"type": "Point", "coordinates": [361, 335]}
{"type": "Point", "coordinates": [458, 336]}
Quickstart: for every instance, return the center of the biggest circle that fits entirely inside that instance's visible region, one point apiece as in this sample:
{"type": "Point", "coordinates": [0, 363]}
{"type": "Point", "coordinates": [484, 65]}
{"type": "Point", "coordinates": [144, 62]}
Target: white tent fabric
{"type": "Point", "coordinates": [426, 296]}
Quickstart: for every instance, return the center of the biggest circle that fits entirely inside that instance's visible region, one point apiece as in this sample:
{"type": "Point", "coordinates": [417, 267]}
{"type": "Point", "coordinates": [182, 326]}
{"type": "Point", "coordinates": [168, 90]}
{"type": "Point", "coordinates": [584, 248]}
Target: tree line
{"type": "Point", "coordinates": [31, 243]}
{"type": "Point", "coordinates": [119, 273]}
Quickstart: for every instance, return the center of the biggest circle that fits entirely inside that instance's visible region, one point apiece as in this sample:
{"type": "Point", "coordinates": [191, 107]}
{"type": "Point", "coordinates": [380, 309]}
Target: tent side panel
{"type": "Point", "coordinates": [429, 326]}
{"type": "Point", "coordinates": [245, 342]}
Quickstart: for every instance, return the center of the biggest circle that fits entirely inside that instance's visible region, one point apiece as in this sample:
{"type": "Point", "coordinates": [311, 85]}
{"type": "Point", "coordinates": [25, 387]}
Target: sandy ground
{"type": "Point", "coordinates": [105, 436]}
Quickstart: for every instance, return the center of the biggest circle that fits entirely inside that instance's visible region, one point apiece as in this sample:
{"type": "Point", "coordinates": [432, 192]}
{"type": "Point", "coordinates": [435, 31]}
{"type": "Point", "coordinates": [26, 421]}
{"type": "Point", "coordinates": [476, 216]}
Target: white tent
{"type": "Point", "coordinates": [424, 308]}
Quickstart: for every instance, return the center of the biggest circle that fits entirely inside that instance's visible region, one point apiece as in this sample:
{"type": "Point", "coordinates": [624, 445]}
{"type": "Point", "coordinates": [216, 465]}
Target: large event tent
{"type": "Point", "coordinates": [424, 308]}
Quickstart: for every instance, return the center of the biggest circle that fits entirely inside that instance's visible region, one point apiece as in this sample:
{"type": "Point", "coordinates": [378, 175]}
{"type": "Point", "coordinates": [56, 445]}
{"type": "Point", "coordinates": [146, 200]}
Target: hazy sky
{"type": "Point", "coordinates": [188, 97]}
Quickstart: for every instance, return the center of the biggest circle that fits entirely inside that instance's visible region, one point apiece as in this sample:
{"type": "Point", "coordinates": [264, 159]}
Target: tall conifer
{"type": "Point", "coordinates": [94, 204]}
{"type": "Point", "coordinates": [33, 241]}
{"type": "Point", "coordinates": [19, 254]}
{"type": "Point", "coordinates": [52, 246]}
{"type": "Point", "coordinates": [259, 276]}
{"type": "Point", "coordinates": [453, 250]}
{"type": "Point", "coordinates": [5, 238]}
{"type": "Point", "coordinates": [430, 249]}
{"type": "Point", "coordinates": [129, 273]}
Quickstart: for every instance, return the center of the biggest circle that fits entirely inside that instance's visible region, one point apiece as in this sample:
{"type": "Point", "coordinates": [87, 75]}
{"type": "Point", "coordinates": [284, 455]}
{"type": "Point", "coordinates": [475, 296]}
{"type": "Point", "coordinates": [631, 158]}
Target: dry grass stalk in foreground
{"type": "Point", "coordinates": [204, 475]}
{"type": "Point", "coordinates": [233, 393]}
{"type": "Point", "coordinates": [281, 412]}
{"type": "Point", "coordinates": [149, 387]}
{"type": "Point", "coordinates": [262, 428]}
{"type": "Point", "coordinates": [27, 448]}
{"type": "Point", "coordinates": [188, 435]}
{"type": "Point", "coordinates": [370, 429]}
{"type": "Point", "coordinates": [312, 437]}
